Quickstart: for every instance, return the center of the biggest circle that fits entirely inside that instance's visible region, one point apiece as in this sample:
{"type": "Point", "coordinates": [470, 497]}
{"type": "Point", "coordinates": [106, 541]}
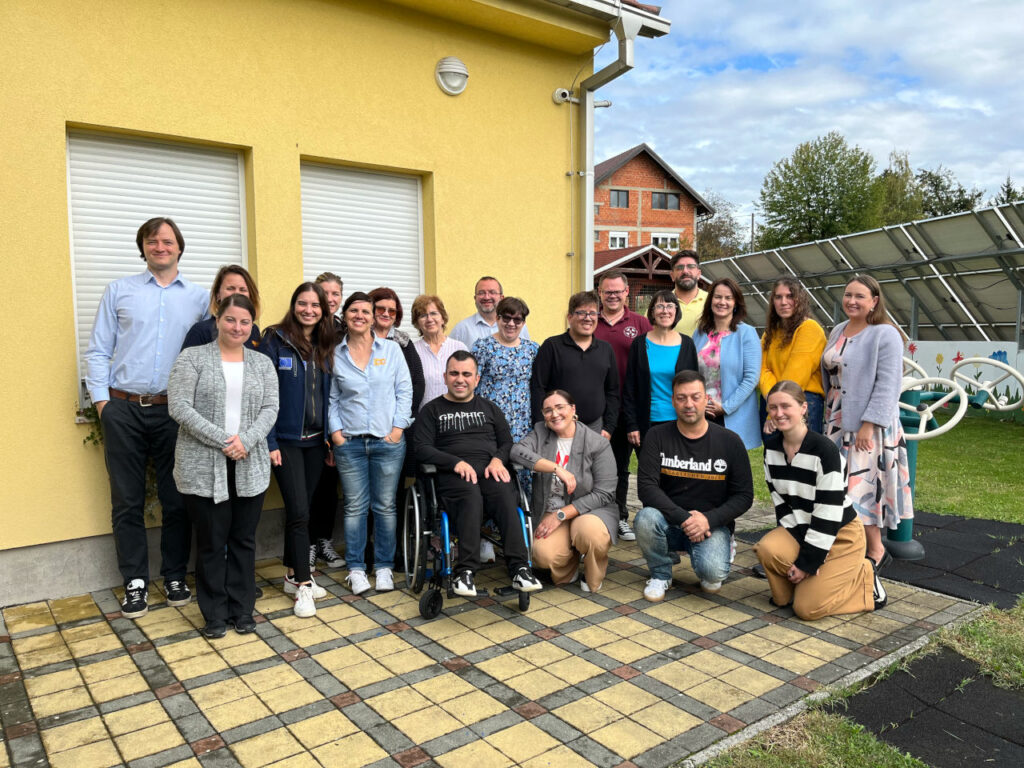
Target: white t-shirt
{"type": "Point", "coordinates": [233, 373]}
{"type": "Point", "coordinates": [558, 495]}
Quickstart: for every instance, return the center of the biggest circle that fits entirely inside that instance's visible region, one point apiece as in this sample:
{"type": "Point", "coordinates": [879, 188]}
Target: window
{"type": "Point", "coordinates": [363, 226]}
{"type": "Point", "coordinates": [115, 184]}
{"type": "Point", "coordinates": [597, 235]}
{"type": "Point", "coordinates": [618, 239]}
{"type": "Point", "coordinates": [665, 201]}
{"type": "Point", "coordinates": [666, 242]}
{"type": "Point", "coordinates": [620, 198]}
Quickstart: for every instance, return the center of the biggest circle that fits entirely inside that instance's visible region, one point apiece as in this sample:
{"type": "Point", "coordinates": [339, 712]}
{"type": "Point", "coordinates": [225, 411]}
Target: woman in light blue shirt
{"type": "Point", "coordinates": [368, 412]}
{"type": "Point", "coordinates": [729, 356]}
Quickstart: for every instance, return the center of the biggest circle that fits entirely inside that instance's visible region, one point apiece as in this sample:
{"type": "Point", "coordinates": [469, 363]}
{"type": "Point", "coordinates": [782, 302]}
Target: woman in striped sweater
{"type": "Point", "coordinates": [816, 559]}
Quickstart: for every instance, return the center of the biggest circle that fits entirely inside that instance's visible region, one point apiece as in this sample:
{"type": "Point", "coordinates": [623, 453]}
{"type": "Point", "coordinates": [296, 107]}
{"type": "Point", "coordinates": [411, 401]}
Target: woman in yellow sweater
{"type": "Point", "coordinates": [791, 349]}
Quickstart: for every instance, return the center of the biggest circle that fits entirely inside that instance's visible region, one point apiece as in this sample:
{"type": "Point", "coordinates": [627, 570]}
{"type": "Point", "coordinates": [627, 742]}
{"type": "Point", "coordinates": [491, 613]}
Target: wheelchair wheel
{"type": "Point", "coordinates": [414, 541]}
{"type": "Point", "coordinates": [431, 603]}
{"type": "Point", "coordinates": [524, 601]}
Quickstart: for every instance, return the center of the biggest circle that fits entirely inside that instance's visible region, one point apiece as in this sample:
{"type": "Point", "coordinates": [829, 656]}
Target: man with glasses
{"type": "Point", "coordinates": [619, 326]}
{"type": "Point", "coordinates": [694, 480]}
{"type": "Point", "coordinates": [686, 276]}
{"type": "Point", "coordinates": [486, 295]}
{"type": "Point", "coordinates": [581, 365]}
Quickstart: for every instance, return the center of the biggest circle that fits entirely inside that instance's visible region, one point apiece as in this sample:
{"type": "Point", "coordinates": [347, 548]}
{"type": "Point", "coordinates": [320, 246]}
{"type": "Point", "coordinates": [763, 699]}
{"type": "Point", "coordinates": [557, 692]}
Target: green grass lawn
{"type": "Point", "coordinates": [974, 470]}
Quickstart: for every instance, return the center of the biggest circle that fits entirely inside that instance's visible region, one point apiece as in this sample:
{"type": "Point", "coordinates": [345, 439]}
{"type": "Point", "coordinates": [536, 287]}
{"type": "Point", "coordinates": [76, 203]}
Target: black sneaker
{"type": "Point", "coordinates": [463, 584]}
{"type": "Point", "coordinates": [525, 581]}
{"type": "Point", "coordinates": [243, 625]}
{"type": "Point", "coordinates": [214, 630]}
{"type": "Point", "coordinates": [881, 598]}
{"type": "Point", "coordinates": [259, 591]}
{"type": "Point", "coordinates": [136, 600]}
{"type": "Point", "coordinates": [178, 593]}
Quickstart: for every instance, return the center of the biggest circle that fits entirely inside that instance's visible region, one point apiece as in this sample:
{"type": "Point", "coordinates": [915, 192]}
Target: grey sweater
{"type": "Point", "coordinates": [196, 393]}
{"type": "Point", "coordinates": [871, 375]}
{"type": "Point", "coordinates": [590, 461]}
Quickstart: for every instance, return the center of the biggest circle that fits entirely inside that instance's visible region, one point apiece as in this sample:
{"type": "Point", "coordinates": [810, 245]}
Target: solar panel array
{"type": "Point", "coordinates": [953, 278]}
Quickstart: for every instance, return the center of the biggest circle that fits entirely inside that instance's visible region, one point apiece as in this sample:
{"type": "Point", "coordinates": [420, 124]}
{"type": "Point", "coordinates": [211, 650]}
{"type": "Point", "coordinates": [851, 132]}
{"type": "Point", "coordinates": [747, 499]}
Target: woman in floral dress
{"type": "Point", "coordinates": [862, 369]}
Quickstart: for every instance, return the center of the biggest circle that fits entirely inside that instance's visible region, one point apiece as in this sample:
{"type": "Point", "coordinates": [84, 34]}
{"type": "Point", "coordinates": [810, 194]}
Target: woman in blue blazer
{"type": "Point", "coordinates": [729, 357]}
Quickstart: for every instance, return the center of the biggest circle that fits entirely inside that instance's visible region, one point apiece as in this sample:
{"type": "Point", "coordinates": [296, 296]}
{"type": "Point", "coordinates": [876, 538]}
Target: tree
{"type": "Point", "coordinates": [1007, 193]}
{"type": "Point", "coordinates": [943, 194]}
{"type": "Point", "coordinates": [718, 235]}
{"type": "Point", "coordinates": [825, 188]}
{"type": "Point", "coordinates": [899, 197]}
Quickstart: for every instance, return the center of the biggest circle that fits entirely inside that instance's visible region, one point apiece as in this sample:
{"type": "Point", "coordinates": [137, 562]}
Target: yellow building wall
{"type": "Point", "coordinates": [346, 82]}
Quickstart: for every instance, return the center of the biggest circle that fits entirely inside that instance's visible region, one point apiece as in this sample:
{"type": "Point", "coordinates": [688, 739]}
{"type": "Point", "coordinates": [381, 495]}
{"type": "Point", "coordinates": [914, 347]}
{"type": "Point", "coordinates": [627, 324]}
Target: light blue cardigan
{"type": "Point", "coordinates": [741, 368]}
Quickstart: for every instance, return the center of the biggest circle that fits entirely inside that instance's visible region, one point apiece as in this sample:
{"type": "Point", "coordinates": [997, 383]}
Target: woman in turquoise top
{"type": "Point", "coordinates": [654, 359]}
{"type": "Point", "coordinates": [729, 355]}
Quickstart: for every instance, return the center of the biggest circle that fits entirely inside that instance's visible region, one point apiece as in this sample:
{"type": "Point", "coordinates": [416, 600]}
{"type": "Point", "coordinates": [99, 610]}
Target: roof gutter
{"type": "Point", "coordinates": [627, 26]}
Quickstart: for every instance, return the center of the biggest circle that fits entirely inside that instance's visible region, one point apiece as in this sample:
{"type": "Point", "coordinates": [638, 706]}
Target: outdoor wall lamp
{"type": "Point", "coordinates": [451, 75]}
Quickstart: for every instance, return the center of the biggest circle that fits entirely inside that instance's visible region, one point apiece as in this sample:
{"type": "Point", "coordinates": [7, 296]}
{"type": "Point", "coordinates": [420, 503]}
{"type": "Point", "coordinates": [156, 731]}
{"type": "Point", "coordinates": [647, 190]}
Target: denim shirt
{"type": "Point", "coordinates": [139, 328]}
{"type": "Point", "coordinates": [371, 401]}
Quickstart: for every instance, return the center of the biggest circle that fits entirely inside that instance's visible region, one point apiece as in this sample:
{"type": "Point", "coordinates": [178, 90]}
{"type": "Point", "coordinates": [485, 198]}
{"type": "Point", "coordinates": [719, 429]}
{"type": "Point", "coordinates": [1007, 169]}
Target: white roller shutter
{"type": "Point", "coordinates": [115, 184]}
{"type": "Point", "coordinates": [365, 227]}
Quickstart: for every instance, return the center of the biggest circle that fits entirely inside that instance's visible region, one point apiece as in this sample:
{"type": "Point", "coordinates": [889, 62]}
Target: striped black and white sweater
{"type": "Point", "coordinates": [809, 494]}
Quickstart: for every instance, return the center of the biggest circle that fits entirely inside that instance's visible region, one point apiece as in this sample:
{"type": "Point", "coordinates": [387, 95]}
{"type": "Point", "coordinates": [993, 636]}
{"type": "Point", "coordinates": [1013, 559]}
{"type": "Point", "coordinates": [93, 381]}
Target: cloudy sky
{"type": "Point", "coordinates": [737, 85]}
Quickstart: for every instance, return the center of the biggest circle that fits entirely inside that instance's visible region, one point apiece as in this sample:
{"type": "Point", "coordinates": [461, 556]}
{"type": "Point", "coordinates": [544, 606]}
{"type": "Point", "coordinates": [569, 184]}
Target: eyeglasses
{"type": "Point", "coordinates": [510, 320]}
{"type": "Point", "coordinates": [386, 312]}
{"type": "Point", "coordinates": [488, 293]}
{"type": "Point", "coordinates": [613, 293]}
{"type": "Point", "coordinates": [686, 268]}
{"type": "Point", "coordinates": [553, 409]}
{"type": "Point", "coordinates": [435, 314]}
{"type": "Point", "coordinates": [584, 314]}
{"type": "Point", "coordinates": [664, 307]}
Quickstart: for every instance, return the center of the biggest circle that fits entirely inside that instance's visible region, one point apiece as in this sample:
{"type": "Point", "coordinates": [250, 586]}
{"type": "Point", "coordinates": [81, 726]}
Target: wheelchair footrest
{"type": "Point", "coordinates": [506, 592]}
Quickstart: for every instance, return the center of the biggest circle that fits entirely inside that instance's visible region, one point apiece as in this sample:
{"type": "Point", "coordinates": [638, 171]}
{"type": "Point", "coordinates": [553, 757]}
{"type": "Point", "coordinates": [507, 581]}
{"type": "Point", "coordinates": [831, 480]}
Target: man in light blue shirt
{"type": "Point", "coordinates": [486, 295]}
{"type": "Point", "coordinates": [140, 325]}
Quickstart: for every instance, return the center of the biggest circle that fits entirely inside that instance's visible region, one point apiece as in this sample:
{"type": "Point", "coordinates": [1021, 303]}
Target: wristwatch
{"type": "Point", "coordinates": [560, 514]}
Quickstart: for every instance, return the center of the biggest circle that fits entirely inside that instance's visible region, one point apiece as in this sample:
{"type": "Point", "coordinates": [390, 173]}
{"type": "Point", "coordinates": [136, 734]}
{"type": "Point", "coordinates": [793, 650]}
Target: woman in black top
{"type": "Point", "coordinates": [654, 359]}
{"type": "Point", "coordinates": [230, 279]}
{"type": "Point", "coordinates": [301, 347]}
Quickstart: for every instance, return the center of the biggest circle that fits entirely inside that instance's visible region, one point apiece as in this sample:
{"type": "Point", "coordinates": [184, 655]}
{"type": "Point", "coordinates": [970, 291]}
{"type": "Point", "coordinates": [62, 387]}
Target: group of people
{"type": "Point", "coordinates": [336, 391]}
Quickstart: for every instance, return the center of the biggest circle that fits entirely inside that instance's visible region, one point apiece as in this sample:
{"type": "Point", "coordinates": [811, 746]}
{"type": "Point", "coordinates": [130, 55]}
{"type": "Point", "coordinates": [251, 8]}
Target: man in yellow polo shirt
{"type": "Point", "coordinates": [686, 276]}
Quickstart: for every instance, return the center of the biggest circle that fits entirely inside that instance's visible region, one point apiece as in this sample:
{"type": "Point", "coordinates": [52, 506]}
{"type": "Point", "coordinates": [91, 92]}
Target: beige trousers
{"type": "Point", "coordinates": [583, 535]}
{"type": "Point", "coordinates": [843, 584]}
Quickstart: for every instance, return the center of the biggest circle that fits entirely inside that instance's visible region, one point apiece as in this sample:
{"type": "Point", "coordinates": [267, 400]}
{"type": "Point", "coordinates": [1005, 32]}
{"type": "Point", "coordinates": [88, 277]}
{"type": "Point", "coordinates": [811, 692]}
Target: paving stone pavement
{"type": "Point", "coordinates": [602, 679]}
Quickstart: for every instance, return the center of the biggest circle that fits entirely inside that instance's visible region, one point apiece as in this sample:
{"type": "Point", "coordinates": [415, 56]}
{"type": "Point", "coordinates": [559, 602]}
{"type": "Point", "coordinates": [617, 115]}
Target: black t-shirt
{"type": "Point", "coordinates": [710, 474]}
{"type": "Point", "coordinates": [448, 432]}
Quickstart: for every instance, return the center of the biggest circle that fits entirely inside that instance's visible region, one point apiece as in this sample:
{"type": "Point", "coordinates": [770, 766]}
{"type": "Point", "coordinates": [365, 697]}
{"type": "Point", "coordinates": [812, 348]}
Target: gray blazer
{"type": "Point", "coordinates": [871, 376]}
{"type": "Point", "coordinates": [195, 399]}
{"type": "Point", "coordinates": [591, 462]}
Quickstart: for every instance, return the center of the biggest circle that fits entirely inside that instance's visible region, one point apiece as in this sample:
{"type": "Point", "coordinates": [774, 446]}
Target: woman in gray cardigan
{"type": "Point", "coordinates": [861, 370]}
{"type": "Point", "coordinates": [575, 495]}
{"type": "Point", "coordinates": [224, 398]}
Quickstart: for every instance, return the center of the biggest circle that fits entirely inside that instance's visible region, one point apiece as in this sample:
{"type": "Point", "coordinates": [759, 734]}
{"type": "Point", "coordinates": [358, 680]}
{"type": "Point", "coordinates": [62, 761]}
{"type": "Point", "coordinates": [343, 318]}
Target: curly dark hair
{"type": "Point", "coordinates": [786, 326]}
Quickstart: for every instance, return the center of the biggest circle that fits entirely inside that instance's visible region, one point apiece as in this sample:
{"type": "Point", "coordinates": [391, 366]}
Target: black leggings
{"type": "Point", "coordinates": [225, 583]}
{"type": "Point", "coordinates": [300, 470]}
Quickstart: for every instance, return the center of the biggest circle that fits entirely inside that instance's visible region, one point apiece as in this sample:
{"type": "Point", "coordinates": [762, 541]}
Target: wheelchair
{"type": "Point", "coordinates": [427, 544]}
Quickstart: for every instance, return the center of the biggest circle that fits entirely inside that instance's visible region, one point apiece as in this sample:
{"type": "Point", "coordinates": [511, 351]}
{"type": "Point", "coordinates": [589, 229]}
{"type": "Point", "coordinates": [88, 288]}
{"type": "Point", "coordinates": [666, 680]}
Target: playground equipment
{"type": "Point", "coordinates": [921, 396]}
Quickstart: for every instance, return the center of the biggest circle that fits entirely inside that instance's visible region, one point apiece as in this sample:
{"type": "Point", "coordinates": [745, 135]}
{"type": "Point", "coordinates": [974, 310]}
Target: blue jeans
{"type": "Point", "coordinates": [369, 468]}
{"type": "Point", "coordinates": [657, 537]}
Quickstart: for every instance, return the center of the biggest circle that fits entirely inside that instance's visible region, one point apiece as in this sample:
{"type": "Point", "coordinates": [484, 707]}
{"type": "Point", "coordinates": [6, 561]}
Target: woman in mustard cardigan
{"type": "Point", "coordinates": [791, 349]}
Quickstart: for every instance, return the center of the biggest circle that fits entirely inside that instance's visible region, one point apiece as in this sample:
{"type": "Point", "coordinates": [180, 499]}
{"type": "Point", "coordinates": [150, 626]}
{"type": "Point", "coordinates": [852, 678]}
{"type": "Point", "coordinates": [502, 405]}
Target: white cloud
{"type": "Point", "coordinates": [737, 85]}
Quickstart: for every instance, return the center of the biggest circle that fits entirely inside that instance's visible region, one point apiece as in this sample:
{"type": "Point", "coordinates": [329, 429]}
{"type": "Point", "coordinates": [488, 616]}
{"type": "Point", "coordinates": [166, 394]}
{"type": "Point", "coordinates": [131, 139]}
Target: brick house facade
{"type": "Point", "coordinates": [639, 200]}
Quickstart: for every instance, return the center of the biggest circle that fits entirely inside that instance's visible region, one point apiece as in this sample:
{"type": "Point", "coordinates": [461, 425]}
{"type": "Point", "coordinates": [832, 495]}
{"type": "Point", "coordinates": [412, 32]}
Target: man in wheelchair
{"type": "Point", "coordinates": [467, 438]}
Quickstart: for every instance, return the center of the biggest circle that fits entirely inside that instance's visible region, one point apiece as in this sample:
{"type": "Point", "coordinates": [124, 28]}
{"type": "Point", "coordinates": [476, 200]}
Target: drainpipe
{"type": "Point", "coordinates": [626, 28]}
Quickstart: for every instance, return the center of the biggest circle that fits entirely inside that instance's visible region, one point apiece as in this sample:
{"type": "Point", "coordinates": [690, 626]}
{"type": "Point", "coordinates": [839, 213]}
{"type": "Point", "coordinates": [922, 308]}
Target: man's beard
{"type": "Point", "coordinates": [681, 283]}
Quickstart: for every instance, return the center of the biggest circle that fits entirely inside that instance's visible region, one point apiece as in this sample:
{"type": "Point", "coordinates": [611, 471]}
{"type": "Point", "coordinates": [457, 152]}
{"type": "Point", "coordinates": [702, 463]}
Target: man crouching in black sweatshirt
{"type": "Point", "coordinates": [694, 481]}
{"type": "Point", "coordinates": [467, 438]}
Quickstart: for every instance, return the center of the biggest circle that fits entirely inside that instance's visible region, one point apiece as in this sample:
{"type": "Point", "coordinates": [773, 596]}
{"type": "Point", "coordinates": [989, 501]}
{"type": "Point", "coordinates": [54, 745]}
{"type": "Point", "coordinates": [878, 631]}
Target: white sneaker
{"type": "Point", "coordinates": [325, 551]}
{"type": "Point", "coordinates": [304, 605]}
{"type": "Point", "coordinates": [358, 582]}
{"type": "Point", "coordinates": [655, 589]}
{"type": "Point", "coordinates": [291, 587]}
{"type": "Point", "coordinates": [487, 551]}
{"type": "Point", "coordinates": [586, 587]}
{"type": "Point", "coordinates": [383, 580]}
{"type": "Point", "coordinates": [463, 584]}
{"type": "Point", "coordinates": [525, 581]}
{"type": "Point", "coordinates": [710, 586]}
{"type": "Point", "coordinates": [625, 531]}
